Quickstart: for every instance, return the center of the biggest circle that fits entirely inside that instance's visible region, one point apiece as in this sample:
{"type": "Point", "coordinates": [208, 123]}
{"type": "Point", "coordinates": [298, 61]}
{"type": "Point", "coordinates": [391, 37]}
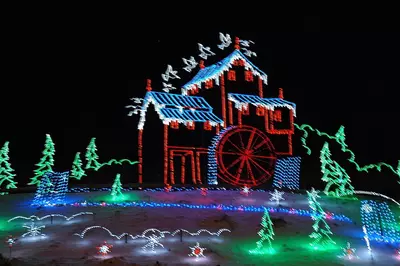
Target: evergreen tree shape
{"type": "Point", "coordinates": [77, 172]}
{"type": "Point", "coordinates": [6, 172]}
{"type": "Point", "coordinates": [338, 181]}
{"type": "Point", "coordinates": [341, 138]}
{"type": "Point", "coordinates": [46, 163]}
{"type": "Point", "coordinates": [91, 156]}
{"type": "Point", "coordinates": [266, 234]}
{"type": "Point", "coordinates": [117, 187]}
{"type": "Point", "coordinates": [322, 231]}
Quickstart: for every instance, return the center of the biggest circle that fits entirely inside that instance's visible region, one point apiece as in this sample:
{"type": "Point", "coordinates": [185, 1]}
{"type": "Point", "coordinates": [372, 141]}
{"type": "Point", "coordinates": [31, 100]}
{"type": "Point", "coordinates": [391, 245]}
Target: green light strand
{"type": "Point", "coordinates": [340, 138]}
{"type": "Point", "coordinates": [92, 158]}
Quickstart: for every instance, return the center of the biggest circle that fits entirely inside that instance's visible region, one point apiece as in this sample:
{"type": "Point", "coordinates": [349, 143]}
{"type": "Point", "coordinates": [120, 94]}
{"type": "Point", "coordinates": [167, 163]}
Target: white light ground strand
{"type": "Point", "coordinates": [47, 216]}
{"type": "Point", "coordinates": [376, 194]}
{"type": "Point", "coordinates": [143, 235]}
{"type": "Point", "coordinates": [366, 239]}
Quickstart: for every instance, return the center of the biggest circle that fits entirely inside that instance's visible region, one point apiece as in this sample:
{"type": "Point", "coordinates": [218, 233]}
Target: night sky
{"type": "Point", "coordinates": [75, 88]}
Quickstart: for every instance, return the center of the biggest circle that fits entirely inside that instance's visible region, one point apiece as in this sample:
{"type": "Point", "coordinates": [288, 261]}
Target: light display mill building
{"type": "Point", "coordinates": [243, 136]}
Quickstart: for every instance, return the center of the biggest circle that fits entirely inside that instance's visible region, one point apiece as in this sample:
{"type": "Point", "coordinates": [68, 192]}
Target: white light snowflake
{"type": "Point", "coordinates": [277, 196]}
{"type": "Point", "coordinates": [33, 230]}
{"type": "Point", "coordinates": [104, 248]}
{"type": "Point", "coordinates": [245, 191]}
{"type": "Point", "coordinates": [367, 208]}
{"type": "Point", "coordinates": [153, 239]}
{"type": "Point", "coordinates": [197, 251]}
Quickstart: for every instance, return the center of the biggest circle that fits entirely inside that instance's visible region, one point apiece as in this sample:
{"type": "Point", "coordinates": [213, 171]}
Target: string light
{"type": "Point", "coordinates": [117, 187]}
{"type": "Point", "coordinates": [225, 39]}
{"type": "Point", "coordinates": [212, 165]}
{"type": "Point", "coordinates": [366, 238]}
{"type": "Point", "coordinates": [197, 251]}
{"type": "Point", "coordinates": [203, 191]}
{"type": "Point", "coordinates": [104, 249]}
{"type": "Point", "coordinates": [6, 171]}
{"type": "Point", "coordinates": [77, 172]}
{"type": "Point", "coordinates": [242, 101]}
{"type": "Point", "coordinates": [32, 217]}
{"type": "Point", "coordinates": [376, 194]}
{"type": "Point", "coordinates": [349, 252]}
{"type": "Point", "coordinates": [248, 208]}
{"type": "Point", "coordinates": [379, 221]}
{"type": "Point", "coordinates": [338, 181]}
{"type": "Point", "coordinates": [340, 138]}
{"type": "Point", "coordinates": [277, 196]}
{"type": "Point", "coordinates": [33, 230]}
{"type": "Point", "coordinates": [213, 72]}
{"type": "Point", "coordinates": [321, 234]}
{"type": "Point", "coordinates": [153, 239]}
{"type": "Point", "coordinates": [10, 241]}
{"type": "Point", "coordinates": [287, 173]}
{"type": "Point", "coordinates": [92, 158]}
{"type": "Point", "coordinates": [266, 234]}
{"type": "Point", "coordinates": [218, 233]}
{"type": "Point", "coordinates": [46, 163]}
{"type": "Point", "coordinates": [245, 191]}
{"type": "Point", "coordinates": [52, 189]}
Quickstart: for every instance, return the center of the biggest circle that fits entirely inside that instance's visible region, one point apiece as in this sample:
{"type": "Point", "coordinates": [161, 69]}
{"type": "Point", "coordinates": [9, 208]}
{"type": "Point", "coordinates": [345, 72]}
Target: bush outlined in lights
{"type": "Point", "coordinates": [77, 172]}
{"type": "Point", "coordinates": [321, 235]}
{"type": "Point", "coordinates": [46, 163]}
{"type": "Point", "coordinates": [338, 181]}
{"type": "Point", "coordinates": [6, 171]}
{"type": "Point", "coordinates": [266, 234]}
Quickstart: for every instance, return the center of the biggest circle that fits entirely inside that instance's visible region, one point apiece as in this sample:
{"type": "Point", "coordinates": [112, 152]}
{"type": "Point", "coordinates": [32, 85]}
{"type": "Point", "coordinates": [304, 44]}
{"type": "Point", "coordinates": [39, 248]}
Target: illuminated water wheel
{"type": "Point", "coordinates": [245, 156]}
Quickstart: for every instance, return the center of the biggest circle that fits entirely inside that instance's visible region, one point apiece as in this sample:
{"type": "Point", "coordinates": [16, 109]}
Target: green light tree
{"type": "Point", "coordinates": [341, 138]}
{"type": "Point", "coordinates": [6, 172]}
{"type": "Point", "coordinates": [91, 156]}
{"type": "Point", "coordinates": [266, 234]}
{"type": "Point", "coordinates": [338, 181]}
{"type": "Point", "coordinates": [322, 231]}
{"type": "Point", "coordinates": [77, 172]}
{"type": "Point", "coordinates": [46, 163]}
{"type": "Point", "coordinates": [117, 187]}
{"type": "Point", "coordinates": [398, 171]}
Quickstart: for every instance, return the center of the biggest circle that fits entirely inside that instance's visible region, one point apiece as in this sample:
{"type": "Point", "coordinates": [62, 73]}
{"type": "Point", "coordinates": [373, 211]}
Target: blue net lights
{"type": "Point", "coordinates": [212, 173]}
{"type": "Point", "coordinates": [52, 189]}
{"type": "Point", "coordinates": [379, 221]}
{"type": "Point", "coordinates": [287, 173]}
